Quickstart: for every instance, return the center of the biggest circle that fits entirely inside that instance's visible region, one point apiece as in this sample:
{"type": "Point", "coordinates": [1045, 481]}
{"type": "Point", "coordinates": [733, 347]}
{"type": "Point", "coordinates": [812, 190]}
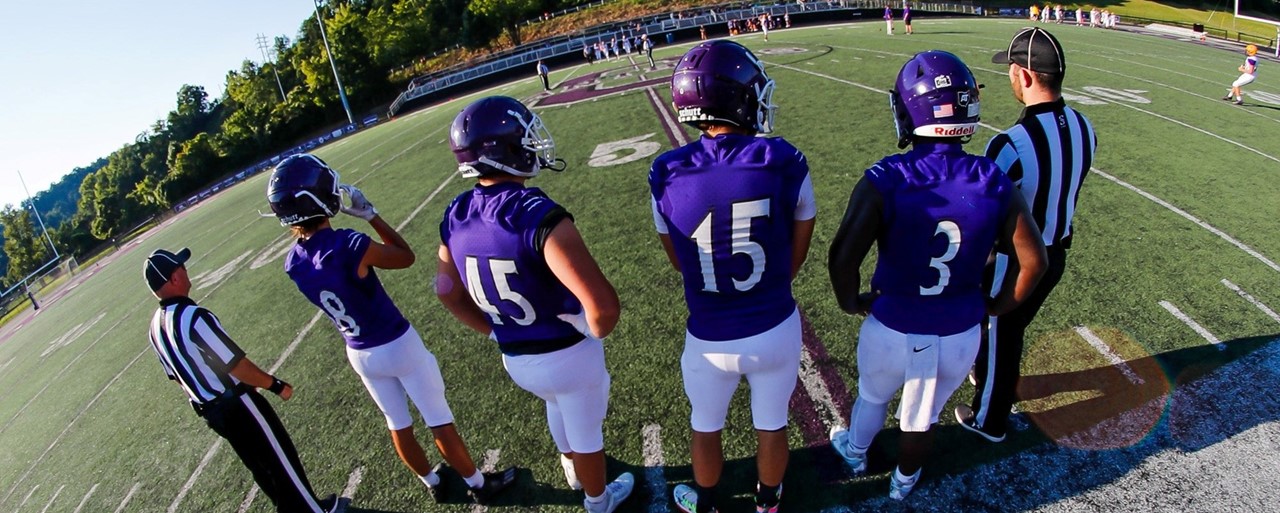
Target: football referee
{"type": "Point", "coordinates": [1047, 155]}
{"type": "Point", "coordinates": [219, 380]}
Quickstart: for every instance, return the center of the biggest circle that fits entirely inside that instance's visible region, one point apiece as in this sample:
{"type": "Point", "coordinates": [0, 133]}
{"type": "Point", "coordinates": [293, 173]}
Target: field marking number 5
{"type": "Point", "coordinates": [616, 153]}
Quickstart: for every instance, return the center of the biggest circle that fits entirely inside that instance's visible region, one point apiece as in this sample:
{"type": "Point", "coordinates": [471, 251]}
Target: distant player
{"type": "Point", "coordinates": [888, 20]}
{"type": "Point", "coordinates": [935, 213]}
{"type": "Point", "coordinates": [335, 270]}
{"type": "Point", "coordinates": [735, 214]}
{"type": "Point", "coordinates": [1035, 12]}
{"type": "Point", "coordinates": [531, 285]}
{"type": "Point", "coordinates": [906, 18]}
{"type": "Point", "coordinates": [1248, 72]}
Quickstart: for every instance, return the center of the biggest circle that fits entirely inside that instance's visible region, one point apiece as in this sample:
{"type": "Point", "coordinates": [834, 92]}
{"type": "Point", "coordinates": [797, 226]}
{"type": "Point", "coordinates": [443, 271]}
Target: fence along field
{"type": "Point", "coordinates": [1126, 392]}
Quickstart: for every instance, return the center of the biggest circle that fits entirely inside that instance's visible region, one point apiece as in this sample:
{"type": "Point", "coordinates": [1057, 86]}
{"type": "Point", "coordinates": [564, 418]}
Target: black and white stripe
{"type": "Point", "coordinates": [1047, 154]}
{"type": "Point", "coordinates": [194, 349]}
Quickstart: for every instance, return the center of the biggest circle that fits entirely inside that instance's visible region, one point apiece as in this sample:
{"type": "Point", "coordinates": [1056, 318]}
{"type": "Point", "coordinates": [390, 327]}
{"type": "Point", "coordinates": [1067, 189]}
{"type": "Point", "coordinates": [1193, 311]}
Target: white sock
{"type": "Point", "coordinates": [903, 478]}
{"type": "Point", "coordinates": [476, 480]}
{"type": "Point", "coordinates": [432, 479]}
{"type": "Point", "coordinates": [599, 499]}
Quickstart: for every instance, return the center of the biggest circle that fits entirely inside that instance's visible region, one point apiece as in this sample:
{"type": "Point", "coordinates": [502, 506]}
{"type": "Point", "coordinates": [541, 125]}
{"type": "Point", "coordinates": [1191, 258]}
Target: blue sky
{"type": "Point", "coordinates": [81, 78]}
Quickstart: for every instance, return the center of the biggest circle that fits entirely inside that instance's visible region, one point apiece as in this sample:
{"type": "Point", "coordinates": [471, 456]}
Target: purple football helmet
{"type": "Point", "coordinates": [500, 134]}
{"type": "Point", "coordinates": [303, 187]}
{"type": "Point", "coordinates": [935, 96]}
{"type": "Point", "coordinates": [722, 81]}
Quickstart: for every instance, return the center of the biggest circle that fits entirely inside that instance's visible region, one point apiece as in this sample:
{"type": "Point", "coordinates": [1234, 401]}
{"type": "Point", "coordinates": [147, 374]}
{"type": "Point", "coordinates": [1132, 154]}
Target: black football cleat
{"type": "Point", "coordinates": [329, 504]}
{"type": "Point", "coordinates": [494, 484]}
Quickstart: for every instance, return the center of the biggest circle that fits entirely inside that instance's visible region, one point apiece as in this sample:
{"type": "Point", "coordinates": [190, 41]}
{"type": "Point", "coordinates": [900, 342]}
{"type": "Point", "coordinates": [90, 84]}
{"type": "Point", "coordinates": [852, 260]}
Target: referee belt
{"type": "Point", "coordinates": [223, 399]}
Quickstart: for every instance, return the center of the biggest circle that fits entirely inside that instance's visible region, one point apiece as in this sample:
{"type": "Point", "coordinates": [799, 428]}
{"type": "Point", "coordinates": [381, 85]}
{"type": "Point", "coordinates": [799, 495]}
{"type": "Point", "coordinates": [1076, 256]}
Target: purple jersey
{"type": "Point", "coordinates": [325, 267]}
{"type": "Point", "coordinates": [495, 235]}
{"type": "Point", "coordinates": [888, 14]}
{"type": "Point", "coordinates": [729, 204]}
{"type": "Point", "coordinates": [943, 211]}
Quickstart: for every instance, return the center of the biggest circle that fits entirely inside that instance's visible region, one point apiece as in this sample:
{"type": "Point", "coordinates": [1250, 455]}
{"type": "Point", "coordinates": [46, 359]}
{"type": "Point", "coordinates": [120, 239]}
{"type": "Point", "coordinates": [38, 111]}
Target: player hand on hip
{"type": "Point", "coordinates": [579, 322]}
{"type": "Point", "coordinates": [360, 206]}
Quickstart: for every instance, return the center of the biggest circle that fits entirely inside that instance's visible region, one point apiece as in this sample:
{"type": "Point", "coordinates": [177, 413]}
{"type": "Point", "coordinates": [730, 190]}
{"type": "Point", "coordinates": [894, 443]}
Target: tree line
{"type": "Point", "coordinates": [204, 139]}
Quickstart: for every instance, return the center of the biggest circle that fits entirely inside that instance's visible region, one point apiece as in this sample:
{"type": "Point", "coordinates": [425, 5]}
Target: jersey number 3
{"type": "Point", "coordinates": [499, 269]}
{"type": "Point", "coordinates": [940, 263]}
{"type": "Point", "coordinates": [740, 243]}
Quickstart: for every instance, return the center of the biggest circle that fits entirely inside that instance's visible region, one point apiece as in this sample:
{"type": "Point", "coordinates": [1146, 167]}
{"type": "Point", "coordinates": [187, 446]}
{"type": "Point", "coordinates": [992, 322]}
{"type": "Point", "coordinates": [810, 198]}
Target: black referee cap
{"type": "Point", "coordinates": [1036, 49]}
{"type": "Point", "coordinates": [160, 266]}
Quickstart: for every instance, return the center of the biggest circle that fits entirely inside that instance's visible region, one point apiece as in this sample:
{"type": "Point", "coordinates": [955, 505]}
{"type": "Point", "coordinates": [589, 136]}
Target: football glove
{"type": "Point", "coordinates": [359, 206]}
{"type": "Point", "coordinates": [579, 322]}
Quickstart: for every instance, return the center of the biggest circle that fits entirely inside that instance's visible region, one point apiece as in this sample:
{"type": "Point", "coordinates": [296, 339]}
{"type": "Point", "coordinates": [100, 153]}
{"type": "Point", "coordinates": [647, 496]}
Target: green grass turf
{"type": "Point", "coordinates": [98, 411]}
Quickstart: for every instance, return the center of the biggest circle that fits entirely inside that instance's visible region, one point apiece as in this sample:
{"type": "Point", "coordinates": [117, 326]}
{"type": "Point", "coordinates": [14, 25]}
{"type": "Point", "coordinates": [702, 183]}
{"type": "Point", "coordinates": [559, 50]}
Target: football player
{"type": "Point", "coordinates": [935, 213]}
{"type": "Point", "coordinates": [735, 214]}
{"type": "Point", "coordinates": [1248, 72]}
{"type": "Point", "coordinates": [531, 285]}
{"type": "Point", "coordinates": [335, 270]}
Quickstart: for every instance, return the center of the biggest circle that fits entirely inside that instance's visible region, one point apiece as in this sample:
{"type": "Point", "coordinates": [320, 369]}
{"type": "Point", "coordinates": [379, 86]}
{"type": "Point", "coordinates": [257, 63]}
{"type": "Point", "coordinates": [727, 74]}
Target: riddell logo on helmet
{"type": "Point", "coordinates": [955, 131]}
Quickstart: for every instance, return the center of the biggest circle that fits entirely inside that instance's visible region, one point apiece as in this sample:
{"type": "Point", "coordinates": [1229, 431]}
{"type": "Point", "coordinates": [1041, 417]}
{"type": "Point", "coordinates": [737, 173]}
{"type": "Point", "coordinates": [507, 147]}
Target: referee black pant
{"type": "Point", "coordinates": [252, 428]}
{"type": "Point", "coordinates": [999, 360]}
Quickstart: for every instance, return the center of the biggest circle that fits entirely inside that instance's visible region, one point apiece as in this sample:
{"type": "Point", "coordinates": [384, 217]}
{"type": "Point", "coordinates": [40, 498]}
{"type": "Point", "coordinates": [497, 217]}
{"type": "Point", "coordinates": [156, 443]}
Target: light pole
{"type": "Point", "coordinates": [32, 201]}
{"type": "Point", "coordinates": [342, 95]}
{"type": "Point", "coordinates": [262, 45]}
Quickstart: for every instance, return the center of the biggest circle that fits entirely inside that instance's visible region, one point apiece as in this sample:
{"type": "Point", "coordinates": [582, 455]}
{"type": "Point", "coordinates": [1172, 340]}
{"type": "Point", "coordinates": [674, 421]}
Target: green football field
{"type": "Point", "coordinates": [1168, 284]}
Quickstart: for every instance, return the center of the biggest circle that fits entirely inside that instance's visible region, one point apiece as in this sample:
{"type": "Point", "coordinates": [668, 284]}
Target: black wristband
{"type": "Point", "coordinates": [277, 385]}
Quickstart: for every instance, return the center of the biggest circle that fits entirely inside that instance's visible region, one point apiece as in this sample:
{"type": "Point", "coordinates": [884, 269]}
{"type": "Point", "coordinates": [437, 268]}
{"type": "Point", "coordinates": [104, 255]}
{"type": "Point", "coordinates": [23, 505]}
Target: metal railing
{"type": "Point", "coordinates": [654, 25]}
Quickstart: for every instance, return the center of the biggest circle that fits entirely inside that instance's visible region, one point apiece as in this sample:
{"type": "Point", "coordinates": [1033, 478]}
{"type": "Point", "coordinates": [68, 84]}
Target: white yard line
{"type": "Point", "coordinates": [1185, 125]}
{"type": "Point", "coordinates": [1111, 356]}
{"type": "Point", "coordinates": [1250, 251]}
{"type": "Point", "coordinates": [72, 423]}
{"type": "Point", "coordinates": [424, 203]}
{"type": "Point", "coordinates": [1193, 325]}
{"type": "Point", "coordinates": [1265, 309]}
{"type": "Point", "coordinates": [655, 474]}
{"type": "Point", "coordinates": [51, 499]}
{"type": "Point", "coordinates": [86, 498]}
{"type": "Point", "coordinates": [812, 382]}
{"type": "Point", "coordinates": [353, 484]}
{"type": "Point", "coordinates": [671, 123]}
{"type": "Point", "coordinates": [27, 498]}
{"type": "Point", "coordinates": [127, 496]}
{"type": "Point", "coordinates": [57, 377]}
{"type": "Point", "coordinates": [217, 444]}
{"type": "Point", "coordinates": [191, 481]}
{"type": "Point", "coordinates": [248, 499]}
{"type": "Point", "coordinates": [490, 463]}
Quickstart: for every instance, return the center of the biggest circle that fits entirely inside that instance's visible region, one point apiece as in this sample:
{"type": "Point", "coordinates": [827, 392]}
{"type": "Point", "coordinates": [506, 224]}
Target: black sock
{"type": "Point", "coordinates": [767, 495]}
{"type": "Point", "coordinates": [707, 498]}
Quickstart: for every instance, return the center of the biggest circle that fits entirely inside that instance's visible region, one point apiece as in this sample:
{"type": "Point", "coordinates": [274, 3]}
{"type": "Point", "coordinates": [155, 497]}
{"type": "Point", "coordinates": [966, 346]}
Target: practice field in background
{"type": "Point", "coordinates": [1156, 349]}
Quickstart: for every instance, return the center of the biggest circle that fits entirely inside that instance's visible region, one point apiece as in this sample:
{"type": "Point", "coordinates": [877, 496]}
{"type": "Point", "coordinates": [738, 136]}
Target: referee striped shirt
{"type": "Point", "coordinates": [194, 349]}
{"type": "Point", "coordinates": [1047, 155]}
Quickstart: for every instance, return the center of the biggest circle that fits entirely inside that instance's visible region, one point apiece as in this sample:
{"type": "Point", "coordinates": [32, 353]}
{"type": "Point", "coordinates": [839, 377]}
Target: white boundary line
{"type": "Point", "coordinates": [1193, 325]}
{"type": "Point", "coordinates": [86, 498]}
{"type": "Point", "coordinates": [51, 499]}
{"type": "Point", "coordinates": [1111, 356]}
{"type": "Point", "coordinates": [424, 203]}
{"type": "Point", "coordinates": [490, 463]}
{"type": "Point", "coordinates": [128, 496]}
{"type": "Point", "coordinates": [655, 474]}
{"type": "Point", "coordinates": [1266, 310]}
